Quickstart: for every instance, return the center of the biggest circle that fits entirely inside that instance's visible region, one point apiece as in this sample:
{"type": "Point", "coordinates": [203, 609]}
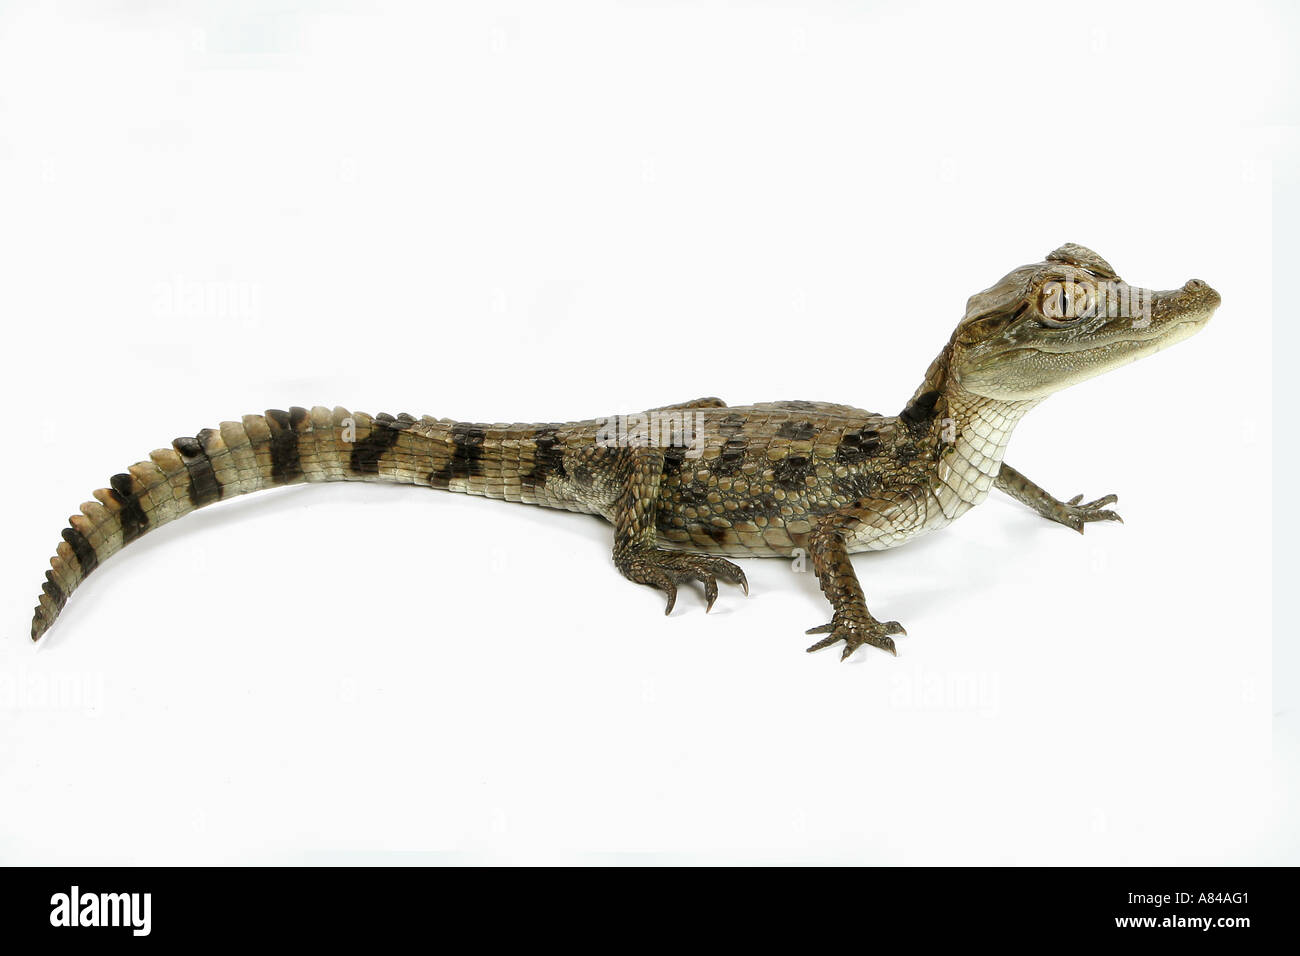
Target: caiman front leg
{"type": "Point", "coordinates": [636, 551]}
{"type": "Point", "coordinates": [852, 623]}
{"type": "Point", "coordinates": [1069, 513]}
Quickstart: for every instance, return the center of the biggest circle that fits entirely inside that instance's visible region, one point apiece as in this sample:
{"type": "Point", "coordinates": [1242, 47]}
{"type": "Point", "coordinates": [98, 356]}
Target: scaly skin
{"type": "Point", "coordinates": [764, 480]}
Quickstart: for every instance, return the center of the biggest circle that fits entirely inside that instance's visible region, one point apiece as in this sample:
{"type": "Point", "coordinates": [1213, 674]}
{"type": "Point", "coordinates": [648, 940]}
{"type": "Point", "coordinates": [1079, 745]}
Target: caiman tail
{"type": "Point", "coordinates": [288, 448]}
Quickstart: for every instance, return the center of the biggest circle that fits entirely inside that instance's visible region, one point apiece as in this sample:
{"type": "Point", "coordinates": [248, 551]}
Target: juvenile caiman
{"type": "Point", "coordinates": [685, 484]}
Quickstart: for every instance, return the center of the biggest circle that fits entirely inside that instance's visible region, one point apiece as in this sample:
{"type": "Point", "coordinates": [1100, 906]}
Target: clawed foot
{"type": "Point", "coordinates": [1074, 515]}
{"type": "Point", "coordinates": [667, 569]}
{"type": "Point", "coordinates": [855, 630]}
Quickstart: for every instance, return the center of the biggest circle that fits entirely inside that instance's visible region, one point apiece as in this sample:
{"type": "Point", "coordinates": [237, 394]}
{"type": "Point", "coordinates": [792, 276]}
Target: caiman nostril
{"type": "Point", "coordinates": [1195, 285]}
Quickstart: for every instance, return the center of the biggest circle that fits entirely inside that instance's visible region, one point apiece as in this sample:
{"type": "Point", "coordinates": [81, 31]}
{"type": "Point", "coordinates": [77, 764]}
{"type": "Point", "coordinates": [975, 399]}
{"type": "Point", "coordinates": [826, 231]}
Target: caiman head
{"type": "Point", "coordinates": [1066, 319]}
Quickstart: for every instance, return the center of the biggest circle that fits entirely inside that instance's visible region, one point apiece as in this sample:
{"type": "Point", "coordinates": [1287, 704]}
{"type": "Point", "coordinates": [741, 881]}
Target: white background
{"type": "Point", "coordinates": [552, 211]}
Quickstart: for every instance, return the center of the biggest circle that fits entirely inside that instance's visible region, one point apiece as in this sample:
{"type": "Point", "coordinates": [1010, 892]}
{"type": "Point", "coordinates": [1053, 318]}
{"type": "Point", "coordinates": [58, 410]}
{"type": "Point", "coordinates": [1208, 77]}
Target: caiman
{"type": "Point", "coordinates": [688, 486]}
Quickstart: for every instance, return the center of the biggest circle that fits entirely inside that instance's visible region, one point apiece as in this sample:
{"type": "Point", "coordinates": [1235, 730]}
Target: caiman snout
{"type": "Point", "coordinates": [1198, 286]}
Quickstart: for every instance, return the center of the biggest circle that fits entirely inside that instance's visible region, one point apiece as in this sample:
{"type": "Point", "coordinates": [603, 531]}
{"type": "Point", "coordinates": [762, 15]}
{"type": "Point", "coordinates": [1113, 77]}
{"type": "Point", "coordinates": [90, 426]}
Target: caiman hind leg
{"type": "Point", "coordinates": [636, 551]}
{"type": "Point", "coordinates": [828, 547]}
{"type": "Point", "coordinates": [1069, 513]}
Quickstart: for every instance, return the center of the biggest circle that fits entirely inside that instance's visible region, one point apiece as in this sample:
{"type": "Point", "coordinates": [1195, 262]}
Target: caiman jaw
{"type": "Point", "coordinates": [1046, 327]}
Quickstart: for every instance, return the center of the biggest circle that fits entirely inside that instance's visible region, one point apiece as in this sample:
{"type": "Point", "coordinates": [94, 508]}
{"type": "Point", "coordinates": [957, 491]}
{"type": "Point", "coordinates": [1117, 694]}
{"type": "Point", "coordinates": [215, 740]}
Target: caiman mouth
{"type": "Point", "coordinates": [1166, 330]}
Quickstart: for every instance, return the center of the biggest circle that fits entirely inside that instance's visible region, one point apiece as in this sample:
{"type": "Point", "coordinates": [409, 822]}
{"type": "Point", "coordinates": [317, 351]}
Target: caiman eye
{"type": "Point", "coordinates": [1062, 303]}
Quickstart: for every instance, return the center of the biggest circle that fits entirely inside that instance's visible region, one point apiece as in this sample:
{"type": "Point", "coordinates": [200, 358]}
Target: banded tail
{"type": "Point", "coordinates": [287, 448]}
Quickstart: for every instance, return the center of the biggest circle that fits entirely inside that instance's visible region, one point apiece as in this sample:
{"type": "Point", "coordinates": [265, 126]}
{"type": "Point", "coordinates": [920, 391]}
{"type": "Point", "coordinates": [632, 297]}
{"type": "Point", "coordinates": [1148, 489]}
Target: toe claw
{"type": "Point", "coordinates": [710, 591]}
{"type": "Point", "coordinates": [672, 598]}
{"type": "Point", "coordinates": [823, 643]}
{"type": "Point", "coordinates": [821, 629]}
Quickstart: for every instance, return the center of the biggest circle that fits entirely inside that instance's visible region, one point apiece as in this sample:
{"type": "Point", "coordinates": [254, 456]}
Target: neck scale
{"type": "Point", "coordinates": [976, 433]}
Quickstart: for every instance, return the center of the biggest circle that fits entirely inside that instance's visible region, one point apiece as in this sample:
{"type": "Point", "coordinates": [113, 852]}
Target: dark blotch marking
{"type": "Point", "coordinates": [582, 476]}
{"type": "Point", "coordinates": [384, 432]}
{"type": "Point", "coordinates": [81, 548]}
{"type": "Point", "coordinates": [134, 521]}
{"type": "Point", "coordinates": [548, 460]}
{"type": "Point", "coordinates": [204, 487]}
{"type": "Point", "coordinates": [696, 495]}
{"type": "Point", "coordinates": [798, 431]}
{"type": "Point", "coordinates": [465, 461]}
{"type": "Point", "coordinates": [789, 473]}
{"type": "Point", "coordinates": [285, 466]}
{"type": "Point", "coordinates": [732, 424]}
{"type": "Point", "coordinates": [730, 458]}
{"type": "Point", "coordinates": [857, 446]}
{"type": "Point", "coordinates": [693, 494]}
{"type": "Point", "coordinates": [920, 411]}
{"type": "Point", "coordinates": [674, 458]}
{"type": "Point", "coordinates": [718, 533]}
{"type": "Point", "coordinates": [51, 587]}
